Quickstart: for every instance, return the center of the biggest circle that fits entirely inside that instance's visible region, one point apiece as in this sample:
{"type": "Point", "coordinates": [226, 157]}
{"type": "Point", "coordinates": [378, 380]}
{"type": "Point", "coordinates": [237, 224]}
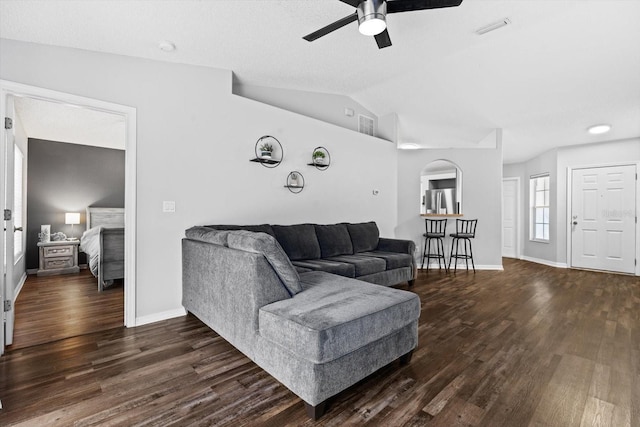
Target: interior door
{"type": "Point", "coordinates": [509, 218]}
{"type": "Point", "coordinates": [603, 218]}
{"type": "Point", "coordinates": [6, 195]}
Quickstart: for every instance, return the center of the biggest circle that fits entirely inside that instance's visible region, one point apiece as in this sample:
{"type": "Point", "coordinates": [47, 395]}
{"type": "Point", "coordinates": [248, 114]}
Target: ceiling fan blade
{"type": "Point", "coordinates": [383, 39]}
{"type": "Point", "coordinates": [395, 6]}
{"type": "Point", "coordinates": [331, 27]}
{"type": "Point", "coordinates": [353, 3]}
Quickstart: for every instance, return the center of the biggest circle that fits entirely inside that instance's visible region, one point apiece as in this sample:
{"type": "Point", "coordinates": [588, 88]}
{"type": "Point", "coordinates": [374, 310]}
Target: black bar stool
{"type": "Point", "coordinates": [465, 231]}
{"type": "Point", "coordinates": [436, 230]}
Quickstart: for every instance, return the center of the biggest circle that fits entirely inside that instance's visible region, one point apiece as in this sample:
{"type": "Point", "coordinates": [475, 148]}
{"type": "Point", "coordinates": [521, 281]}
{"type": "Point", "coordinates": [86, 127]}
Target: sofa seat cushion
{"type": "Point", "coordinates": [298, 241]}
{"type": "Point", "coordinates": [334, 316]}
{"type": "Point", "coordinates": [335, 267]}
{"type": "Point", "coordinates": [393, 259]}
{"type": "Point", "coordinates": [334, 240]}
{"type": "Point", "coordinates": [267, 245]}
{"type": "Point", "coordinates": [364, 236]}
{"type": "Point", "coordinates": [364, 265]}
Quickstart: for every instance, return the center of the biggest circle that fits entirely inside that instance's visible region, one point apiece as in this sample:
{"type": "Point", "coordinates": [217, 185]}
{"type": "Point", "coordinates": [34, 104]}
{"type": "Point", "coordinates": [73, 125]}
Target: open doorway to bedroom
{"type": "Point", "coordinates": [79, 153]}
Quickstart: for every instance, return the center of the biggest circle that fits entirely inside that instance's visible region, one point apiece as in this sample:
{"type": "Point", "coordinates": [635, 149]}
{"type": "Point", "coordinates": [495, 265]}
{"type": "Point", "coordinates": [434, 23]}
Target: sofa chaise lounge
{"type": "Point", "coordinates": [316, 332]}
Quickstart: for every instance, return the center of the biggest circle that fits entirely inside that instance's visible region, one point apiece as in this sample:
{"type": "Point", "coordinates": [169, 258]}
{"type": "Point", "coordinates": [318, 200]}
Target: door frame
{"type": "Point", "coordinates": [518, 212]}
{"type": "Point", "coordinates": [568, 218]}
{"type": "Point", "coordinates": [9, 88]}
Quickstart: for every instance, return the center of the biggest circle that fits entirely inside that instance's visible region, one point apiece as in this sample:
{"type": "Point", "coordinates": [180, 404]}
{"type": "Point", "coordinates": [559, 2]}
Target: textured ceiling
{"type": "Point", "coordinates": [560, 67]}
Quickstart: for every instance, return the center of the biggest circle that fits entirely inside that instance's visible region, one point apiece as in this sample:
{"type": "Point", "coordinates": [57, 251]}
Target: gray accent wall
{"type": "Point", "coordinates": [65, 177]}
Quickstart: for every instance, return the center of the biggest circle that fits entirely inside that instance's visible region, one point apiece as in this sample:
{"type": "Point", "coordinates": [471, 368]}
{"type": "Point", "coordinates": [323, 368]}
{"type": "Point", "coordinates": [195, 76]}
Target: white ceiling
{"type": "Point", "coordinates": [559, 68]}
{"type": "Point", "coordinates": [72, 124]}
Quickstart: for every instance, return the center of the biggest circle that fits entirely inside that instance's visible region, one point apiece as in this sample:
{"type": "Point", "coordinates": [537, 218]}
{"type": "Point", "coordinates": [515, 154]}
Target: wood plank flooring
{"type": "Point", "coordinates": [530, 346]}
{"type": "Point", "coordinates": [56, 307]}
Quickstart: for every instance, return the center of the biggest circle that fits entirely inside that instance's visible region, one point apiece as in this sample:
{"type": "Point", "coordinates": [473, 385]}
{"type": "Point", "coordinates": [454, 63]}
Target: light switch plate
{"type": "Point", "coordinates": [168, 206]}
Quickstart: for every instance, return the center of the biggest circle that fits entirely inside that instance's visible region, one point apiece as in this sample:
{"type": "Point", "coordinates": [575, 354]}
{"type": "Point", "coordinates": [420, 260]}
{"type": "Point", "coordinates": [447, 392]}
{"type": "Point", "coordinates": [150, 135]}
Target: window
{"type": "Point", "coordinates": [539, 191]}
{"type": "Point", "coordinates": [17, 202]}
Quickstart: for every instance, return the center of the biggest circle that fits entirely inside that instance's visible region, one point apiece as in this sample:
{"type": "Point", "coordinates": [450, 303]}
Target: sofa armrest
{"type": "Point", "coordinates": [396, 245]}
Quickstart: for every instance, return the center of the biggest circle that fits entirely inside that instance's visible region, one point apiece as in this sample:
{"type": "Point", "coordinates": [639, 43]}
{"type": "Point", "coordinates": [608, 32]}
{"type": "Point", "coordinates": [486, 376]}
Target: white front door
{"type": "Point", "coordinates": [603, 218]}
{"type": "Point", "coordinates": [509, 218]}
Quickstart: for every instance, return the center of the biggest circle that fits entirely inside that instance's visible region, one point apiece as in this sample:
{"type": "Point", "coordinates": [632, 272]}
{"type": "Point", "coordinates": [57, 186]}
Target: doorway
{"type": "Point", "coordinates": [8, 90]}
{"type": "Point", "coordinates": [603, 218]}
{"type": "Point", "coordinates": [510, 217]}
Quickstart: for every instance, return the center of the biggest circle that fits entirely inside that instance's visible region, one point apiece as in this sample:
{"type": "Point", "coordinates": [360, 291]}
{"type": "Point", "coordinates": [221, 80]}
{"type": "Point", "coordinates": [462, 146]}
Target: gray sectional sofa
{"type": "Point", "coordinates": [346, 249]}
{"type": "Point", "coordinates": [310, 313]}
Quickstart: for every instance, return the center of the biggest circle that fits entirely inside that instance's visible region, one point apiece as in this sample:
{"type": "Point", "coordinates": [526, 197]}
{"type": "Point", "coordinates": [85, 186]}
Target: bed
{"type": "Point", "coordinates": [103, 242]}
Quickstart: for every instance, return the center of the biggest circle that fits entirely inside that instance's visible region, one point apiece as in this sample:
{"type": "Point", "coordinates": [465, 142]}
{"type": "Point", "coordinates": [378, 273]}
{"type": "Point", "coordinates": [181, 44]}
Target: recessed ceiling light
{"type": "Point", "coordinates": [599, 129]}
{"type": "Point", "coordinates": [408, 146]}
{"type": "Point", "coordinates": [166, 46]}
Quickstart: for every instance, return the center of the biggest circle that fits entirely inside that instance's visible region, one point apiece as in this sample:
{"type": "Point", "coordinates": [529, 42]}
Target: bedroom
{"type": "Point", "coordinates": [60, 178]}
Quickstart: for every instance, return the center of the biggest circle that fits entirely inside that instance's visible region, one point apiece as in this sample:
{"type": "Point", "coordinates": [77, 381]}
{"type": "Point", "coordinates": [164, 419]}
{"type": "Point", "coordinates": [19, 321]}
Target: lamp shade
{"type": "Point", "coordinates": [72, 218]}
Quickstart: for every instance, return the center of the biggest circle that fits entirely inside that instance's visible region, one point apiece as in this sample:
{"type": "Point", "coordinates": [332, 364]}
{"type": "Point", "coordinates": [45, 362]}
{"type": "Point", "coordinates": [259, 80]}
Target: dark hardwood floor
{"type": "Point", "coordinates": [532, 345]}
{"type": "Point", "coordinates": [56, 307]}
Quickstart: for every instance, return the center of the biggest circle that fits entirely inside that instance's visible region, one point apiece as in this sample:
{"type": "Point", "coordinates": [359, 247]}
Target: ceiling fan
{"type": "Point", "coordinates": [371, 16]}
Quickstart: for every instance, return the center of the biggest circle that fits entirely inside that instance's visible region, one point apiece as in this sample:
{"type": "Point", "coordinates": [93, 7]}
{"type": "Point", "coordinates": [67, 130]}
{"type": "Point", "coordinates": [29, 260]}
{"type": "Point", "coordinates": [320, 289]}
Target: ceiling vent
{"type": "Point", "coordinates": [365, 124]}
{"type": "Point", "coordinates": [494, 26]}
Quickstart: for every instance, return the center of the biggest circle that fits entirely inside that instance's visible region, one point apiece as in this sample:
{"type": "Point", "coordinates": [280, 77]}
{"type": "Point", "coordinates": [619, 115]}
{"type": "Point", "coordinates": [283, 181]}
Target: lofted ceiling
{"type": "Point", "coordinates": [559, 67]}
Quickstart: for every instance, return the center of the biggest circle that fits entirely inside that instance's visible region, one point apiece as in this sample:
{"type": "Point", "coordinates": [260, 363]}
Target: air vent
{"type": "Point", "coordinates": [365, 124]}
{"type": "Point", "coordinates": [492, 27]}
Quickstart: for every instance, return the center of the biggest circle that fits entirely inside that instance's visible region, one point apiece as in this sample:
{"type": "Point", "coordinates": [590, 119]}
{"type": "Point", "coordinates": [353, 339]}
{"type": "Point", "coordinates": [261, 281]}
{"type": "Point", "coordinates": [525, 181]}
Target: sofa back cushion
{"type": "Point", "coordinates": [208, 235]}
{"type": "Point", "coordinates": [334, 240]}
{"type": "Point", "coordinates": [298, 241]}
{"type": "Point", "coordinates": [261, 228]}
{"type": "Point", "coordinates": [364, 236]}
{"type": "Point", "coordinates": [268, 246]}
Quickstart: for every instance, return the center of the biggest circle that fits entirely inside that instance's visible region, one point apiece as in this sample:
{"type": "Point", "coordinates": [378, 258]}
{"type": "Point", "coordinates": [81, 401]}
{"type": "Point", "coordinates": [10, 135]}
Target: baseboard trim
{"type": "Point", "coordinates": [462, 266]}
{"type": "Point", "coordinates": [157, 317]}
{"type": "Point", "coordinates": [544, 262]}
{"type": "Point", "coordinates": [19, 287]}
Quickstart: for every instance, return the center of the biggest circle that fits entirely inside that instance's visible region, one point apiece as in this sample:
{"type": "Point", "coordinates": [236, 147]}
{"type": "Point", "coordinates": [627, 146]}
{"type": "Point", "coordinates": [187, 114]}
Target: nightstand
{"type": "Point", "coordinates": [58, 257]}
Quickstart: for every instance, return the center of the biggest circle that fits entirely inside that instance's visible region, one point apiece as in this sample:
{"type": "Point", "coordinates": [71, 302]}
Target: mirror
{"type": "Point", "coordinates": [441, 188]}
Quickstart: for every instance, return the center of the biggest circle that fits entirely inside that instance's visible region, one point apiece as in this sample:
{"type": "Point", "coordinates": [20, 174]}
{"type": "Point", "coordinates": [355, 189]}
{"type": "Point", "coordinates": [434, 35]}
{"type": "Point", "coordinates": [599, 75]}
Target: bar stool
{"type": "Point", "coordinates": [465, 231]}
{"type": "Point", "coordinates": [436, 230]}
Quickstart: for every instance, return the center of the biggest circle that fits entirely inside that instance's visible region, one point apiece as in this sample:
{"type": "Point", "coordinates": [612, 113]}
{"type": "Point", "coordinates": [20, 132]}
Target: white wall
{"type": "Point", "coordinates": [481, 192]}
{"type": "Point", "coordinates": [194, 142]}
{"type": "Point", "coordinates": [327, 107]}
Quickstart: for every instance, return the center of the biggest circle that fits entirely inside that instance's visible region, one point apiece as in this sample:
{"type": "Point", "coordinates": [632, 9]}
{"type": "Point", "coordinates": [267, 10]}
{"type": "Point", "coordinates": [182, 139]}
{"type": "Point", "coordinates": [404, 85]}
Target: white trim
{"type": "Point", "coordinates": [462, 267]}
{"type": "Point", "coordinates": [157, 317]}
{"type": "Point", "coordinates": [129, 113]}
{"type": "Point", "coordinates": [19, 287]}
{"type": "Point", "coordinates": [545, 262]}
{"type": "Point", "coordinates": [570, 170]}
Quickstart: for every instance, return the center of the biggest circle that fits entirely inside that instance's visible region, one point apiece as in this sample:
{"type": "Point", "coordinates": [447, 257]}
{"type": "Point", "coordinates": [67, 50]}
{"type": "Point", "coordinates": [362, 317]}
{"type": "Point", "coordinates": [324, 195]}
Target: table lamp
{"type": "Point", "coordinates": [72, 218]}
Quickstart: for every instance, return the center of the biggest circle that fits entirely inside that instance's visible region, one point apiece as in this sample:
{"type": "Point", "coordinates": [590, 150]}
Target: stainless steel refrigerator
{"type": "Point", "coordinates": [442, 201]}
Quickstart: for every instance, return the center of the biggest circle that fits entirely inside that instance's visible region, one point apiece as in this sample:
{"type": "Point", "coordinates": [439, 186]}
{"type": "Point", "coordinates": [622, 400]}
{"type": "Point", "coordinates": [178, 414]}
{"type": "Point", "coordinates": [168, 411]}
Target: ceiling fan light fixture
{"type": "Point", "coordinates": [372, 17]}
{"type": "Point", "coordinates": [599, 129]}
